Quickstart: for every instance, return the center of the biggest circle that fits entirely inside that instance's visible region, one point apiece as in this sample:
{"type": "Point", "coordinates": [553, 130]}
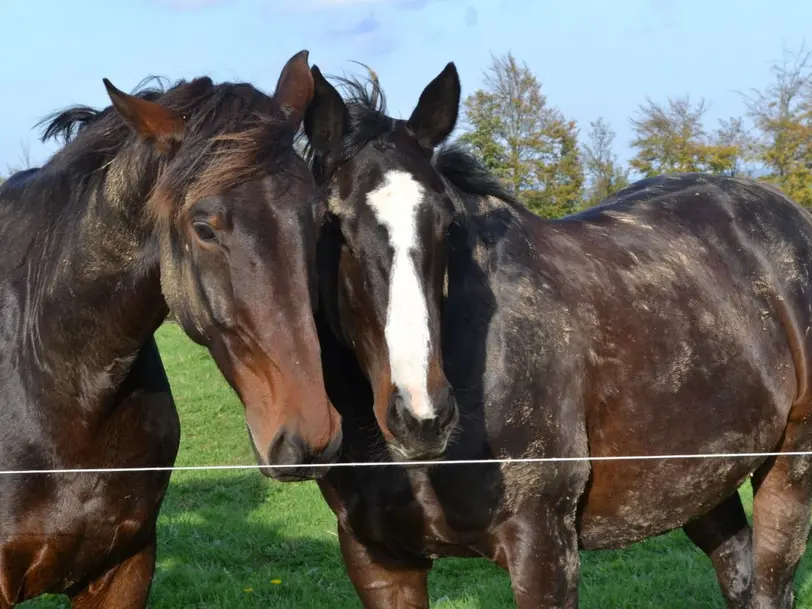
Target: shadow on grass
{"type": "Point", "coordinates": [238, 540]}
{"type": "Point", "coordinates": [242, 541]}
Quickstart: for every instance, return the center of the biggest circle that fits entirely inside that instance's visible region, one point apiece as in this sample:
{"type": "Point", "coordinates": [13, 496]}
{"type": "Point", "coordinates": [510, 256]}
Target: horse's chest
{"type": "Point", "coordinates": [416, 519]}
{"type": "Point", "coordinates": [61, 529]}
{"type": "Point", "coordinates": [73, 531]}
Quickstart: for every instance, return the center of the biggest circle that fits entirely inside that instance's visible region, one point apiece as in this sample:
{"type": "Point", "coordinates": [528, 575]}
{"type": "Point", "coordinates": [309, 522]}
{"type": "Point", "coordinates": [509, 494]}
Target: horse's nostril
{"type": "Point", "coordinates": [286, 449]}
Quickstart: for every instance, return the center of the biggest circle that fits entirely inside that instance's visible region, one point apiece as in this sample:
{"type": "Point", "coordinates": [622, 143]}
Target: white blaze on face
{"type": "Point", "coordinates": [395, 204]}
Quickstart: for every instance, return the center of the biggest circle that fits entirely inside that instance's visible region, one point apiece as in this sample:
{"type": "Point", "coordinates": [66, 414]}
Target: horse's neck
{"type": "Point", "coordinates": [93, 300]}
{"type": "Point", "coordinates": [470, 302]}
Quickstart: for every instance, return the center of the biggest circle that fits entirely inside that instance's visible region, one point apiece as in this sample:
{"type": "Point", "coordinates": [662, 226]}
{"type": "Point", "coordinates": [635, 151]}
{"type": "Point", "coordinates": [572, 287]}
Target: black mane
{"type": "Point", "coordinates": [473, 184]}
{"type": "Point", "coordinates": [67, 124]}
{"type": "Point", "coordinates": [456, 163]}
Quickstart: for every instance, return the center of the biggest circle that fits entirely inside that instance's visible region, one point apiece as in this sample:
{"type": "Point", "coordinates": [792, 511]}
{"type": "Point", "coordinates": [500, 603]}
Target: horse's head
{"type": "Point", "coordinates": [235, 215]}
{"type": "Point", "coordinates": [394, 213]}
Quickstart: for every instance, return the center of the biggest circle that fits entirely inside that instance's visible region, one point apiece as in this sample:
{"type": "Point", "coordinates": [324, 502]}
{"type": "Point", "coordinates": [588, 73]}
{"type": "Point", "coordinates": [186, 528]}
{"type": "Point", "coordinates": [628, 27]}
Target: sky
{"type": "Point", "coordinates": [593, 57]}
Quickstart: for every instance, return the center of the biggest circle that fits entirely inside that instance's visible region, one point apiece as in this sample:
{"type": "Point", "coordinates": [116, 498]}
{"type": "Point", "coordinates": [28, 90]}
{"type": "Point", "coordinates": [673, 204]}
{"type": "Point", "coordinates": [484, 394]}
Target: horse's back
{"type": "Point", "coordinates": [719, 262]}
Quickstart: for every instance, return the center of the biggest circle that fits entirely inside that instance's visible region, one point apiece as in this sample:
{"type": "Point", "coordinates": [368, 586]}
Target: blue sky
{"type": "Point", "coordinates": [594, 57]}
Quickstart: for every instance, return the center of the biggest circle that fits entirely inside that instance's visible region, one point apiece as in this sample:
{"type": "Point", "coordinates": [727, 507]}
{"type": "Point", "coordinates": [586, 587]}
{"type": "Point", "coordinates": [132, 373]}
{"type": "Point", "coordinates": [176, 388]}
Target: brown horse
{"type": "Point", "coordinates": [191, 200]}
{"type": "Point", "coordinates": [674, 318]}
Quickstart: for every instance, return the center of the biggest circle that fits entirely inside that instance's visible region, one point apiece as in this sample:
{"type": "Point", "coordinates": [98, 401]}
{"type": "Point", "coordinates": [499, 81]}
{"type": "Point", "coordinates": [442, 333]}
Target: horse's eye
{"type": "Point", "coordinates": [204, 232]}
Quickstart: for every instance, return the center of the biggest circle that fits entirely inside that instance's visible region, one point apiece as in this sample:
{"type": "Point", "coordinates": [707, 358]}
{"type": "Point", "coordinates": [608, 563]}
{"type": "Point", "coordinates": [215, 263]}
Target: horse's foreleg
{"type": "Point", "coordinates": [540, 551]}
{"type": "Point", "coordinates": [781, 509]}
{"type": "Point", "coordinates": [125, 586]}
{"type": "Point", "coordinates": [383, 584]}
{"type": "Point", "coordinates": [724, 535]}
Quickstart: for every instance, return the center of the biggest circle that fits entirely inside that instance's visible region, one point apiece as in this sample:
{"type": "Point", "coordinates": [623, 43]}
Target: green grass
{"type": "Point", "coordinates": [237, 540]}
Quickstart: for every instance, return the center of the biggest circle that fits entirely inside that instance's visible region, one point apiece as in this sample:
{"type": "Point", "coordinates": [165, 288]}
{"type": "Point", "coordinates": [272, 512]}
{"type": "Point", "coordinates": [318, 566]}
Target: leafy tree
{"type": "Point", "coordinates": [483, 116]}
{"type": "Point", "coordinates": [604, 175]}
{"type": "Point", "coordinates": [732, 136]}
{"type": "Point", "coordinates": [782, 113]}
{"type": "Point", "coordinates": [558, 172]}
{"type": "Point", "coordinates": [671, 138]}
{"type": "Point", "coordinates": [523, 140]}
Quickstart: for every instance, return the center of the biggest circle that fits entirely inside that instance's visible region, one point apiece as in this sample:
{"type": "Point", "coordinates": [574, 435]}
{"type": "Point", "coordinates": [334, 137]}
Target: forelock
{"type": "Point", "coordinates": [249, 139]}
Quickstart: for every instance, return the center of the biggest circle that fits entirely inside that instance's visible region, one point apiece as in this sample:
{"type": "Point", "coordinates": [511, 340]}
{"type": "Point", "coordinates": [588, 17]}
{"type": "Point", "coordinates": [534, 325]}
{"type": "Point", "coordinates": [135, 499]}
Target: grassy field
{"type": "Point", "coordinates": [237, 540]}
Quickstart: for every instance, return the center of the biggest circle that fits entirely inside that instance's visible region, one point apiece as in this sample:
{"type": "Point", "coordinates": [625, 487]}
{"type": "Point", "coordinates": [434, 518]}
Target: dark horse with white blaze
{"type": "Point", "coordinates": [674, 318]}
{"type": "Point", "coordinates": [191, 200]}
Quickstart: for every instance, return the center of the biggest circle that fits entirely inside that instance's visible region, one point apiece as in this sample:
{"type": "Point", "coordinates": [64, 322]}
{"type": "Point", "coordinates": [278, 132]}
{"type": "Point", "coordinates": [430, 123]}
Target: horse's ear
{"type": "Point", "coordinates": [435, 115]}
{"type": "Point", "coordinates": [326, 119]}
{"type": "Point", "coordinates": [295, 87]}
{"type": "Point", "coordinates": [150, 120]}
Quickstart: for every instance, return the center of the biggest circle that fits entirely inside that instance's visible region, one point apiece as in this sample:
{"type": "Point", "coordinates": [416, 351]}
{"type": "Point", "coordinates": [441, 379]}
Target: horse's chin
{"type": "Point", "coordinates": [299, 474]}
{"type": "Point", "coordinates": [404, 455]}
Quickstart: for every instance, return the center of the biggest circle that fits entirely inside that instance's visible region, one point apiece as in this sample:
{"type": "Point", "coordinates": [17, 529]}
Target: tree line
{"type": "Point", "coordinates": [556, 168]}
